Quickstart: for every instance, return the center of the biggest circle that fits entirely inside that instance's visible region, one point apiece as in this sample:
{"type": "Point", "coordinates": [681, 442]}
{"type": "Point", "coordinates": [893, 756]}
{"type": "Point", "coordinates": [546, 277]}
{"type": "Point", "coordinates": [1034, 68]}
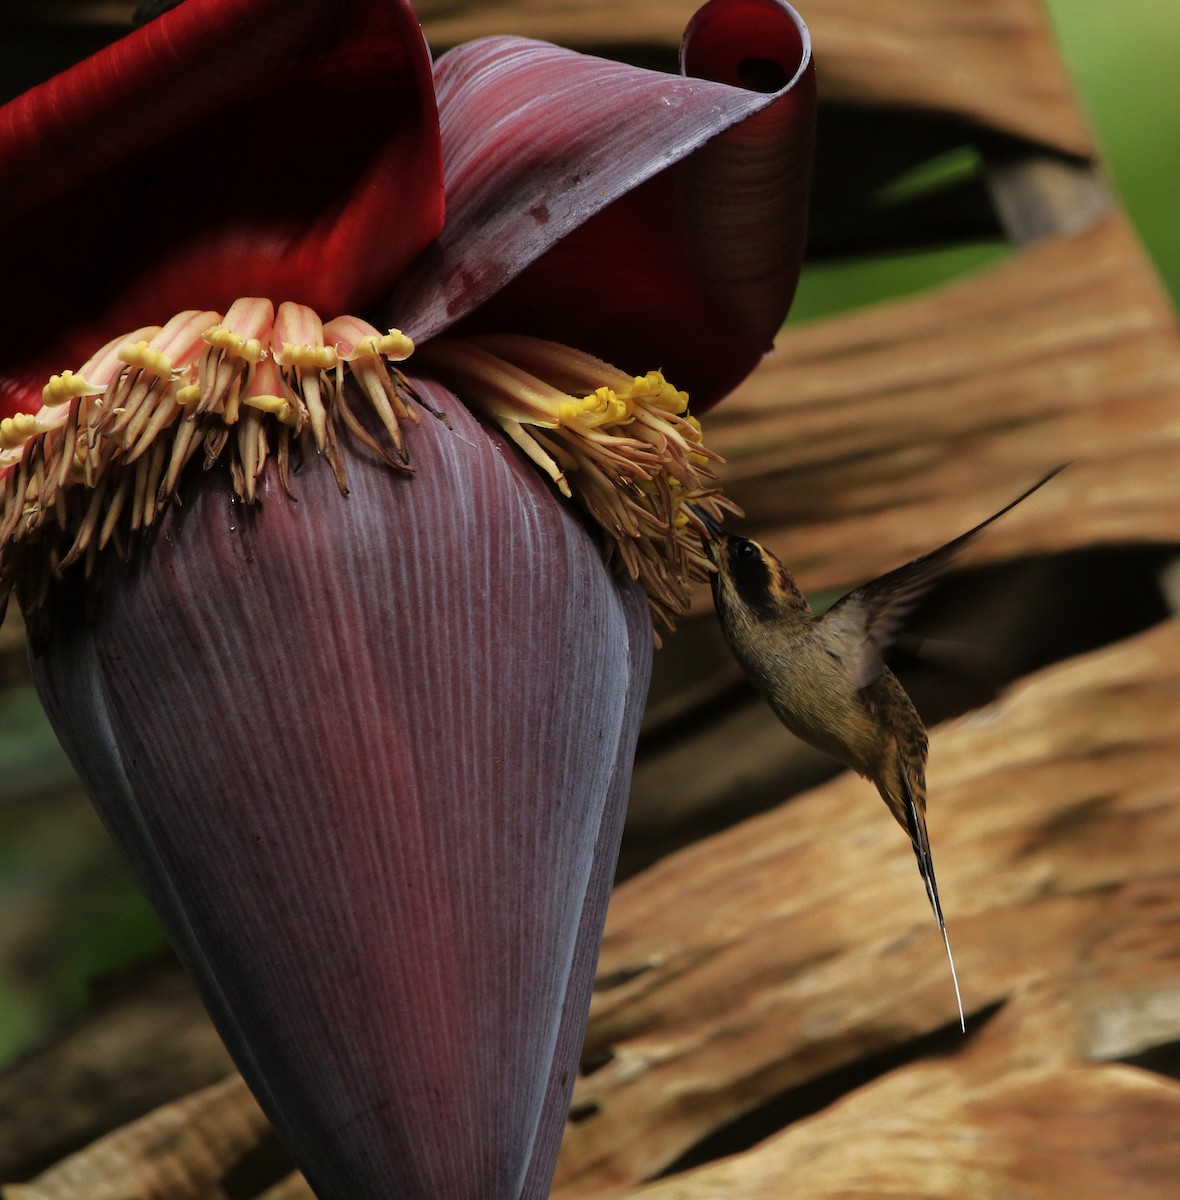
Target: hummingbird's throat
{"type": "Point", "coordinates": [100, 460]}
{"type": "Point", "coordinates": [623, 447]}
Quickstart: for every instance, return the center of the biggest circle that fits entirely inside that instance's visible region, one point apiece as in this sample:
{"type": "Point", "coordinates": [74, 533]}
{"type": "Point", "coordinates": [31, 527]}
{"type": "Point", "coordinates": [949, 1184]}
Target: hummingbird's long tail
{"type": "Point", "coordinates": [916, 824]}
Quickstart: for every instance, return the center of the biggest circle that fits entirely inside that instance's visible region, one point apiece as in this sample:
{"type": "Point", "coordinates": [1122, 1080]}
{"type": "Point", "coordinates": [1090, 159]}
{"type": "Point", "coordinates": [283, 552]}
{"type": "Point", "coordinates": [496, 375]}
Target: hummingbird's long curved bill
{"type": "Point", "coordinates": [715, 531]}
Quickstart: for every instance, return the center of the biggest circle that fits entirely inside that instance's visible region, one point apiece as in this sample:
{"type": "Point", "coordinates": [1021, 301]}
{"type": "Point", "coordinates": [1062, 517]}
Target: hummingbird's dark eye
{"type": "Point", "coordinates": [749, 570]}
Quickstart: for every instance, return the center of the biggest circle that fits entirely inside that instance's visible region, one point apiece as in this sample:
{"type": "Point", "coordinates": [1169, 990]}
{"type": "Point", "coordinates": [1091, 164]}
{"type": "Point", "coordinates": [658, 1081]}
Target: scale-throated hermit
{"type": "Point", "coordinates": [824, 676]}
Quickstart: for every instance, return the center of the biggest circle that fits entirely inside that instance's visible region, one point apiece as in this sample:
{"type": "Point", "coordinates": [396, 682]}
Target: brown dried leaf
{"type": "Point", "coordinates": [993, 64]}
{"type": "Point", "coordinates": [143, 1047]}
{"type": "Point", "coordinates": [993, 1122]}
{"type": "Point", "coordinates": [294, 1187]}
{"type": "Point", "coordinates": [179, 1152]}
{"type": "Point", "coordinates": [866, 440]}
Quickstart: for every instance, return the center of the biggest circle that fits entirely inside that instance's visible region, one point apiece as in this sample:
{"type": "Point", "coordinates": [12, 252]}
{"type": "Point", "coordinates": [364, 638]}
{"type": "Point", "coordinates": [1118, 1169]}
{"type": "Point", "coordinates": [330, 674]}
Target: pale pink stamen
{"type": "Point", "coordinates": [235, 344]}
{"type": "Point", "coordinates": [366, 351]}
{"type": "Point", "coordinates": [155, 369]}
{"type": "Point", "coordinates": [299, 335]}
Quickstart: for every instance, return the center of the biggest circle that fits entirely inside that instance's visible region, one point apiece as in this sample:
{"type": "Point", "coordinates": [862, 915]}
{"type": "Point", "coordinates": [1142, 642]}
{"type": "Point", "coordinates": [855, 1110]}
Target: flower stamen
{"type": "Point", "coordinates": [622, 447]}
{"type": "Point", "coordinates": [104, 455]}
{"type": "Point", "coordinates": [363, 349]}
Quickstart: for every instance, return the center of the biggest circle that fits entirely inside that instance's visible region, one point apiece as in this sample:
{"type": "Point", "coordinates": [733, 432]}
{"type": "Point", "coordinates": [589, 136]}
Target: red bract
{"type": "Point", "coordinates": [642, 217]}
{"type": "Point", "coordinates": [368, 747]}
{"type": "Point", "coordinates": [287, 148]}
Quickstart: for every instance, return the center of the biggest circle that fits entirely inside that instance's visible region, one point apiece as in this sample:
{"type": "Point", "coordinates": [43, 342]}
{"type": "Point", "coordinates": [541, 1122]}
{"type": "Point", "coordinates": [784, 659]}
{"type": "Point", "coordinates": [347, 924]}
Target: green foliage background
{"type": "Point", "coordinates": [1123, 58]}
{"type": "Point", "coordinates": [68, 908]}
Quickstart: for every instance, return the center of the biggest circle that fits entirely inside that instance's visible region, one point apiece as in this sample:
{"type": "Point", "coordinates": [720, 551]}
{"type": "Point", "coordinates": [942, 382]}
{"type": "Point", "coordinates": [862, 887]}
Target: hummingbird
{"type": "Point", "coordinates": [824, 674]}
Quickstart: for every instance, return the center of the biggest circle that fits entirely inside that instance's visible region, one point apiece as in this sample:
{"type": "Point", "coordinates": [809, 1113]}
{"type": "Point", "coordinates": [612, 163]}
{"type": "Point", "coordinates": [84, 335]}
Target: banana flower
{"type": "Point", "coordinates": [329, 379]}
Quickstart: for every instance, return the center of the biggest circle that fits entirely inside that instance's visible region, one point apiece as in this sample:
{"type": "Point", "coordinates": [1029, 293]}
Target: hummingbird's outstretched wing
{"type": "Point", "coordinates": [870, 616]}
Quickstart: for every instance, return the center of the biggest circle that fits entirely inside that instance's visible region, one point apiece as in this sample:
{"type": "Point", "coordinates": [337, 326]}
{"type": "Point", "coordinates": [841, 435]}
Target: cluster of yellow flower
{"type": "Point", "coordinates": [104, 454]}
{"type": "Point", "coordinates": [623, 447]}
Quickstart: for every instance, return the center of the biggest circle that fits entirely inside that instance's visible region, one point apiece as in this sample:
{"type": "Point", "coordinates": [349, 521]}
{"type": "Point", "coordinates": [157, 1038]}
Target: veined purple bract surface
{"type": "Point", "coordinates": [365, 745]}
{"type": "Point", "coordinates": [349, 683]}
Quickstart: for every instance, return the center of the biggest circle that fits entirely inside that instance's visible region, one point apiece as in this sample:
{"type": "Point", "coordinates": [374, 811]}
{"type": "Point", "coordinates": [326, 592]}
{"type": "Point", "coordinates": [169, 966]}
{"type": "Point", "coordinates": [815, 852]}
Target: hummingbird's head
{"type": "Point", "coordinates": [749, 581]}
